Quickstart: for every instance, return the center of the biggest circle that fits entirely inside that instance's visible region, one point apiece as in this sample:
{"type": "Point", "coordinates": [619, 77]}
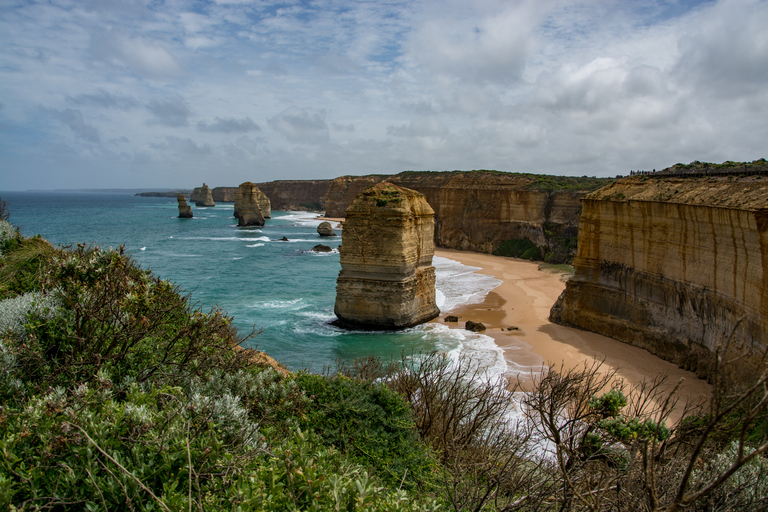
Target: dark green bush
{"type": "Point", "coordinates": [519, 248]}
{"type": "Point", "coordinates": [369, 423]}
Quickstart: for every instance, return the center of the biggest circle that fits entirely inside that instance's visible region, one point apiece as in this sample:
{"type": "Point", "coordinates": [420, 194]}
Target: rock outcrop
{"type": "Point", "coordinates": [325, 229]}
{"type": "Point", "coordinates": [248, 205]}
{"type": "Point", "coordinates": [676, 266]}
{"type": "Point", "coordinates": [387, 280]}
{"type": "Point", "coordinates": [343, 190]}
{"type": "Point", "coordinates": [202, 196]}
{"type": "Point", "coordinates": [249, 196]}
{"type": "Point", "coordinates": [185, 211]}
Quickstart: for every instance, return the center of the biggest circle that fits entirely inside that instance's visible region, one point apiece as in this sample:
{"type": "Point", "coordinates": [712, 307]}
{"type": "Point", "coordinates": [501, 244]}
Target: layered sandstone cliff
{"type": "Point", "coordinates": [248, 205]}
{"type": "Point", "coordinates": [480, 210]}
{"type": "Point", "coordinates": [675, 265]}
{"type": "Point", "coordinates": [250, 194]}
{"type": "Point", "coordinates": [387, 280]}
{"type": "Point", "coordinates": [296, 194]}
{"type": "Point", "coordinates": [202, 196]}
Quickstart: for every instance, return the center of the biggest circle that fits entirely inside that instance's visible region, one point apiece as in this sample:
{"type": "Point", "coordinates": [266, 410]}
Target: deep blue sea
{"type": "Point", "coordinates": [281, 288]}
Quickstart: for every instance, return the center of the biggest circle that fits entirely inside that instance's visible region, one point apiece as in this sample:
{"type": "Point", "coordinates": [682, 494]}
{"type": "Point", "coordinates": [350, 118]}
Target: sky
{"type": "Point", "coordinates": [174, 93]}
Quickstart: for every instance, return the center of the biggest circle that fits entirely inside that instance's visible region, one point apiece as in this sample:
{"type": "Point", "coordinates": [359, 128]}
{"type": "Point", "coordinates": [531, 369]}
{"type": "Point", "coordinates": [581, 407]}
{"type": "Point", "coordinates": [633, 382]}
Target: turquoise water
{"type": "Point", "coordinates": [282, 289]}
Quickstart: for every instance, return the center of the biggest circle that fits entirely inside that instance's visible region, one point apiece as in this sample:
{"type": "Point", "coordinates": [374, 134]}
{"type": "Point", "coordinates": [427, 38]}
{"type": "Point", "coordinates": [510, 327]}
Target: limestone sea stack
{"type": "Point", "coordinates": [202, 196]}
{"type": "Point", "coordinates": [247, 207]}
{"type": "Point", "coordinates": [264, 203]}
{"type": "Point", "coordinates": [387, 280]}
{"type": "Point", "coordinates": [325, 229]}
{"type": "Point", "coordinates": [185, 211]}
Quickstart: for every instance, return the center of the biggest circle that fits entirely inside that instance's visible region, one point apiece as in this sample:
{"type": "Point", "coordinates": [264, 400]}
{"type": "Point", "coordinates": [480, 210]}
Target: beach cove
{"type": "Point", "coordinates": [523, 300]}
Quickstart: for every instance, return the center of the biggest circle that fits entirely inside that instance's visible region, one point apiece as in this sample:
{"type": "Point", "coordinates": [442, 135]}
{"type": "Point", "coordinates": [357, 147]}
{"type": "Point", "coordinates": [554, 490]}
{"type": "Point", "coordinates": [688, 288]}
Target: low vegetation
{"type": "Point", "coordinates": [116, 393]}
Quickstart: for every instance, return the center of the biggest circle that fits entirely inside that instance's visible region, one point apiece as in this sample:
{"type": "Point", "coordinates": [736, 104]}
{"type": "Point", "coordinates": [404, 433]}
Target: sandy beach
{"type": "Point", "coordinates": [523, 300]}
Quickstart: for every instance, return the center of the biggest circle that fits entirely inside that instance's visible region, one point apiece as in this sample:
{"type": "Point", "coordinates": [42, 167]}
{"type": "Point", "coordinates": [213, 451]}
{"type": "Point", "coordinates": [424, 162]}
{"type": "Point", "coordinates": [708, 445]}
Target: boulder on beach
{"type": "Point", "coordinates": [474, 326]}
{"type": "Point", "coordinates": [325, 229]}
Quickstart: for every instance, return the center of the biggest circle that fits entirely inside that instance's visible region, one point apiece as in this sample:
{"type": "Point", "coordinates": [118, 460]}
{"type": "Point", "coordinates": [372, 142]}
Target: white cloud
{"type": "Point", "coordinates": [143, 56]}
{"type": "Point", "coordinates": [318, 89]}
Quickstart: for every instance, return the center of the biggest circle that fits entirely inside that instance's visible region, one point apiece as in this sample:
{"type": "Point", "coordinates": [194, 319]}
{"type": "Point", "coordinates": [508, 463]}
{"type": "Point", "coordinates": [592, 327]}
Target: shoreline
{"type": "Point", "coordinates": [523, 300]}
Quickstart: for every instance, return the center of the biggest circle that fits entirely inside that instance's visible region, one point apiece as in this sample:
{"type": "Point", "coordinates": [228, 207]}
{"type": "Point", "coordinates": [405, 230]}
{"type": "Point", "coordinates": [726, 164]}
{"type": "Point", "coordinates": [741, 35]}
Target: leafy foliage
{"type": "Point", "coordinates": [519, 248]}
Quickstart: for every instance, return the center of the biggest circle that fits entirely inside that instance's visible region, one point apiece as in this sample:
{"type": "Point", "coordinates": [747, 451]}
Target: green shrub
{"type": "Point", "coordinates": [519, 248]}
{"type": "Point", "coordinates": [369, 423]}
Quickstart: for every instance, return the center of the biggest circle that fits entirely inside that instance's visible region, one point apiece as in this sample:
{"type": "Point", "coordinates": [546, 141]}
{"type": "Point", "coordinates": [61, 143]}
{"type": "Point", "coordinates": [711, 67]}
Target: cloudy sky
{"type": "Point", "coordinates": [171, 93]}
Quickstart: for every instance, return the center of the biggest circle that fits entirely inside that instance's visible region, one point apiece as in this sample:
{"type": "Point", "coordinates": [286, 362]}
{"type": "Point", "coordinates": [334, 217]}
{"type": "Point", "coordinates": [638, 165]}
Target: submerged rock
{"type": "Point", "coordinates": [202, 196]}
{"type": "Point", "coordinates": [387, 280]}
{"type": "Point", "coordinates": [325, 229]}
{"type": "Point", "coordinates": [185, 211]}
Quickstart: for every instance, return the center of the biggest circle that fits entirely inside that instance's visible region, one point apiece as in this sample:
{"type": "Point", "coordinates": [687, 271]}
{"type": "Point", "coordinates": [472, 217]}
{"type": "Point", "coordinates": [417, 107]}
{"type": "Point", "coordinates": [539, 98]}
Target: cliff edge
{"type": "Point", "coordinates": [675, 265]}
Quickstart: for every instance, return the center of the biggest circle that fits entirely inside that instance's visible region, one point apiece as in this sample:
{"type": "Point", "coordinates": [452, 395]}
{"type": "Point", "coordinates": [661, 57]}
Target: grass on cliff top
{"type": "Point", "coordinates": [539, 182]}
{"type": "Point", "coordinates": [761, 164]}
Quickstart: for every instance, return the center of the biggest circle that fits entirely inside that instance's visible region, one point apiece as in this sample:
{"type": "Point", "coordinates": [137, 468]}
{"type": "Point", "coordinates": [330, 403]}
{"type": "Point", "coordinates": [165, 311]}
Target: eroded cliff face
{"type": "Point", "coordinates": [676, 266]}
{"type": "Point", "coordinates": [387, 280]}
{"type": "Point", "coordinates": [296, 194]}
{"type": "Point", "coordinates": [343, 190]}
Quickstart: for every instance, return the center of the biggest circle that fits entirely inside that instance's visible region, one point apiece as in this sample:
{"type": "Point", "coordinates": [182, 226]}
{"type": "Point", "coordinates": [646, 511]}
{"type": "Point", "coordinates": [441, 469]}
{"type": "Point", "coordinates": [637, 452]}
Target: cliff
{"type": "Point", "coordinates": [387, 280]}
{"type": "Point", "coordinates": [296, 194]}
{"type": "Point", "coordinates": [675, 265]}
{"type": "Point", "coordinates": [343, 190]}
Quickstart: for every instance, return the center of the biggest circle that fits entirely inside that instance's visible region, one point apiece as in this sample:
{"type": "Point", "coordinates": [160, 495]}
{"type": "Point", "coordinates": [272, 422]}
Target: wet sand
{"type": "Point", "coordinates": [523, 300]}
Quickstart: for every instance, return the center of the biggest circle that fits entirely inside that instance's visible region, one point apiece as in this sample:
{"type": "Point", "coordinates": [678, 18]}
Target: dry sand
{"type": "Point", "coordinates": [523, 300]}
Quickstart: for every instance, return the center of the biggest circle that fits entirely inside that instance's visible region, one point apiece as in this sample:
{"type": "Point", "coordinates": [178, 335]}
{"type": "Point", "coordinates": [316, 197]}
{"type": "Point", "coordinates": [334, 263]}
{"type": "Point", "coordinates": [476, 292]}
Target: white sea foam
{"type": "Point", "coordinates": [457, 284]}
{"type": "Point", "coordinates": [255, 245]}
{"type": "Point", "coordinates": [280, 304]}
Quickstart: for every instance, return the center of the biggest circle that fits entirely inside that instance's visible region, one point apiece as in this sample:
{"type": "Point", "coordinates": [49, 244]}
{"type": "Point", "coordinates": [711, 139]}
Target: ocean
{"type": "Point", "coordinates": [282, 289]}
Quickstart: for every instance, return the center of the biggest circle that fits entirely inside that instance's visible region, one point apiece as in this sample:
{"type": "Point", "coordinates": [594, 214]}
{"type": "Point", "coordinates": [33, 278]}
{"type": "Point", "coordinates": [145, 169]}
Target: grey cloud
{"type": "Point", "coordinates": [423, 127]}
{"type": "Point", "coordinates": [343, 127]}
{"type": "Point", "coordinates": [727, 51]}
{"type": "Point", "coordinates": [229, 125]}
{"type": "Point", "coordinates": [104, 99]}
{"type": "Point", "coordinates": [173, 112]}
{"type": "Point", "coordinates": [305, 125]}
{"type": "Point", "coordinates": [182, 146]}
{"type": "Point", "coordinates": [74, 119]}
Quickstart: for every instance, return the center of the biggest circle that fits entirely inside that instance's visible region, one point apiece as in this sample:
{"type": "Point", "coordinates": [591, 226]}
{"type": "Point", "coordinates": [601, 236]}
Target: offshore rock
{"type": "Point", "coordinates": [202, 196]}
{"type": "Point", "coordinates": [387, 280]}
{"type": "Point", "coordinates": [325, 229]}
{"type": "Point", "coordinates": [185, 211]}
{"type": "Point", "coordinates": [677, 266]}
{"type": "Point", "coordinates": [247, 205]}
{"type": "Point", "coordinates": [321, 248]}
{"type": "Point", "coordinates": [265, 206]}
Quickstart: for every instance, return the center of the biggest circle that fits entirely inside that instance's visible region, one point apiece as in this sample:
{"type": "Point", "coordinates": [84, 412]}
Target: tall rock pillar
{"type": "Point", "coordinates": [260, 198]}
{"type": "Point", "coordinates": [202, 196]}
{"type": "Point", "coordinates": [185, 211]}
{"type": "Point", "coordinates": [247, 207]}
{"type": "Point", "coordinates": [387, 280]}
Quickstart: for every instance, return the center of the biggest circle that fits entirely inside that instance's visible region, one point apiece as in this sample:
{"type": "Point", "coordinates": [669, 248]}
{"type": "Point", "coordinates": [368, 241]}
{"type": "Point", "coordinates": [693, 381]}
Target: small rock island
{"type": "Point", "coordinates": [202, 196]}
{"type": "Point", "coordinates": [387, 280]}
{"type": "Point", "coordinates": [185, 211]}
{"type": "Point", "coordinates": [248, 205]}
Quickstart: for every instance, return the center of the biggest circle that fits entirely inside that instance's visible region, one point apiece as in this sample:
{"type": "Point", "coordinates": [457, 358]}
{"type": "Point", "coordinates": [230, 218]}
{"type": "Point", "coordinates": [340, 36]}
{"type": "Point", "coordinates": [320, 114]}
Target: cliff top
{"type": "Point", "coordinates": [393, 198]}
{"type": "Point", "coordinates": [497, 179]}
{"type": "Point", "coordinates": [736, 191]}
